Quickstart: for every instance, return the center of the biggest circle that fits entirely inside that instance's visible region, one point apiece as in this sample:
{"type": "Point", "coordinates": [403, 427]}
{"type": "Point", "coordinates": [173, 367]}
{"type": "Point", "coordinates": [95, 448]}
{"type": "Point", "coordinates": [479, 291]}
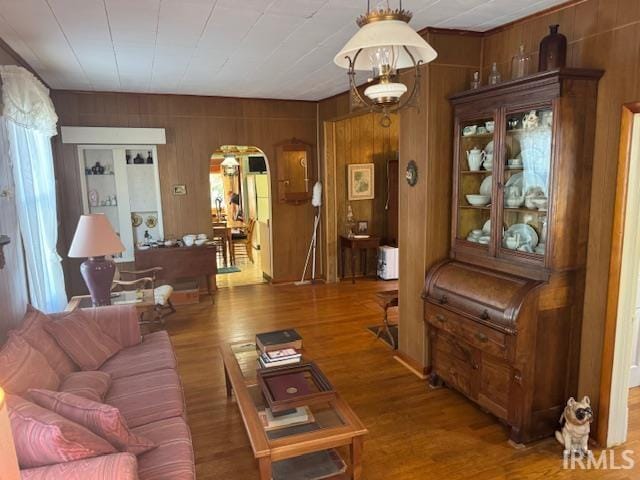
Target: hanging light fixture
{"type": "Point", "coordinates": [384, 44]}
{"type": "Point", "coordinates": [230, 160]}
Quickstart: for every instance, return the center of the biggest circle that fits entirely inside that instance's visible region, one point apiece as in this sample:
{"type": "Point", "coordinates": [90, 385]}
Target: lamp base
{"type": "Point", "coordinates": [98, 274]}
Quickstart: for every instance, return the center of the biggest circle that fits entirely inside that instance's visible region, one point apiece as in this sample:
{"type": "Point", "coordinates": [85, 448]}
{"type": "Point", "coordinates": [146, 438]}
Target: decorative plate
{"type": "Point", "coordinates": [486, 228]}
{"type": "Point", "coordinates": [136, 219]}
{"type": "Point", "coordinates": [485, 186]}
{"type": "Point", "coordinates": [412, 173]}
{"type": "Point", "coordinates": [527, 234]}
{"type": "Point", "coordinates": [151, 221]}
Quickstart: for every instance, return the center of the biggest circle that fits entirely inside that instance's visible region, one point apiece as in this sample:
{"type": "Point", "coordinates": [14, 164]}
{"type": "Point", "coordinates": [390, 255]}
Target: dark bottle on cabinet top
{"type": "Point", "coordinates": [138, 159]}
{"type": "Point", "coordinates": [553, 50]}
{"type": "Point", "coordinates": [128, 157]}
{"type": "Point", "coordinates": [149, 158]}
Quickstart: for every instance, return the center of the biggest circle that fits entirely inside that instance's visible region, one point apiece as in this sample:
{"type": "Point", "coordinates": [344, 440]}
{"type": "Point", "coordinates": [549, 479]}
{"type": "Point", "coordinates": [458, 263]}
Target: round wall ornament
{"type": "Point", "coordinates": [412, 173]}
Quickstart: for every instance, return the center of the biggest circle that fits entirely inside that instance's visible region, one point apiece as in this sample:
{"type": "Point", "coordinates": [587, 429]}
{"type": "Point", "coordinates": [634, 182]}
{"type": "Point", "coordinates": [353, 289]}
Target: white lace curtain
{"type": "Point", "coordinates": [30, 121]}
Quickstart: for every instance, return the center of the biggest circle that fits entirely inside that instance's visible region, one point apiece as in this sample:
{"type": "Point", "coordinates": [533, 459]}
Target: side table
{"type": "Point", "coordinates": [355, 245]}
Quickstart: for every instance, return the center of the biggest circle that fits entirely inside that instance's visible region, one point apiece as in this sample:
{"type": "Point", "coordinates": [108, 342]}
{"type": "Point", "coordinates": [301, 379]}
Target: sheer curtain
{"type": "Point", "coordinates": [30, 121]}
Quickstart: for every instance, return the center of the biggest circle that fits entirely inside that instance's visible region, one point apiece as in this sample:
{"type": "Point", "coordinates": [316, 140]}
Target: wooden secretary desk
{"type": "Point", "coordinates": [505, 310]}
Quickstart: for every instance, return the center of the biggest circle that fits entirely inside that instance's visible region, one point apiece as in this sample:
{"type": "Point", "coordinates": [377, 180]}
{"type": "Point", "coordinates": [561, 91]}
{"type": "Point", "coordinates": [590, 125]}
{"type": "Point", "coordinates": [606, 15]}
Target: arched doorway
{"type": "Point", "coordinates": [240, 192]}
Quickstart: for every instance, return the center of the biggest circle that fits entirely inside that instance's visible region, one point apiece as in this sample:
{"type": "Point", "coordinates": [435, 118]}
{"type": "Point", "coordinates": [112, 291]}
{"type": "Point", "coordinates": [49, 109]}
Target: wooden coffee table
{"type": "Point", "coordinates": [338, 424]}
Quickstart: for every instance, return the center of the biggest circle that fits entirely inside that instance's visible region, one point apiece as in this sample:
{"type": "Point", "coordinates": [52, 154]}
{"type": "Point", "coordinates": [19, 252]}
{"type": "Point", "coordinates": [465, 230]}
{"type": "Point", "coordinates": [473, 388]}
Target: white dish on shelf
{"type": "Point", "coordinates": [484, 240]}
{"type": "Point", "coordinates": [478, 200]}
{"type": "Point", "coordinates": [486, 228]}
{"type": "Point", "coordinates": [486, 186]}
{"type": "Point", "coordinates": [473, 239]}
{"type": "Point", "coordinates": [489, 147]}
{"type": "Point", "coordinates": [515, 181]}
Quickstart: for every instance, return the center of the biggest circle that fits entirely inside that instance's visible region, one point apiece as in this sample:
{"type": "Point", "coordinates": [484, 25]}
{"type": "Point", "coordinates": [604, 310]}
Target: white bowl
{"type": "Point", "coordinates": [478, 200]}
{"type": "Point", "coordinates": [477, 232]}
{"type": "Point", "coordinates": [513, 202]}
{"type": "Point", "coordinates": [201, 241]}
{"type": "Point", "coordinates": [202, 236]}
{"type": "Point", "coordinates": [540, 203]}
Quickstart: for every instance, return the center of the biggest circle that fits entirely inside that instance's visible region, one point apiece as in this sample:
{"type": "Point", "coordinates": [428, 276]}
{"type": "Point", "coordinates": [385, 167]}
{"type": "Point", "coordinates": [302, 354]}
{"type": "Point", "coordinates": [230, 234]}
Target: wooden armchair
{"type": "Point", "coordinates": [246, 239]}
{"type": "Point", "coordinates": [146, 279]}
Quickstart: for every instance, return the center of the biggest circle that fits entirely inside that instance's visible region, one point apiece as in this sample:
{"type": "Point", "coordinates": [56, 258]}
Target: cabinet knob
{"type": "Point", "coordinates": [517, 377]}
{"type": "Point", "coordinates": [441, 318]}
{"type": "Point", "coordinates": [484, 315]}
{"type": "Point", "coordinates": [443, 299]}
{"type": "Point", "coordinates": [482, 337]}
{"type": "Point", "coordinates": [500, 185]}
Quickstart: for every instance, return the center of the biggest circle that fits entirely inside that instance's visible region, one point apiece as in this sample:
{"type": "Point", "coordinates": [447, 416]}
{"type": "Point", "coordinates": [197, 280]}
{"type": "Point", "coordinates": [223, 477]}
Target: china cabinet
{"type": "Point", "coordinates": [126, 190]}
{"type": "Point", "coordinates": [504, 311]}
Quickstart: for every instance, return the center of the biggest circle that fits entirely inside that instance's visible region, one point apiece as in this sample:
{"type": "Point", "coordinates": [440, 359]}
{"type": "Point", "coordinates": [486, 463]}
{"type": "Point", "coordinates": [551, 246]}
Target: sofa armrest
{"type": "Point", "coordinates": [120, 322]}
{"type": "Point", "coordinates": [116, 466]}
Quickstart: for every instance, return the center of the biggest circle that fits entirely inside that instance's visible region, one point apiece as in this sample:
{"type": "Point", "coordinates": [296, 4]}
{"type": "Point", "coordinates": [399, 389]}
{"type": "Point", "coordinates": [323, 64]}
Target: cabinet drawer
{"type": "Point", "coordinates": [482, 337]}
{"type": "Point", "coordinates": [455, 363]}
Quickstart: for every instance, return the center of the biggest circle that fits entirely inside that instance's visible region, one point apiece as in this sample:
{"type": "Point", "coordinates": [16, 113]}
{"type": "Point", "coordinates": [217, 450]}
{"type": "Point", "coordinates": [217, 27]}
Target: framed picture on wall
{"type": "Point", "coordinates": [361, 181]}
{"type": "Point", "coordinates": [362, 227]}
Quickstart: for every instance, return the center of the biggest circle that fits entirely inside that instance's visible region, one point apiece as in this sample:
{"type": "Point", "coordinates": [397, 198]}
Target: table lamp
{"type": "Point", "coordinates": [9, 469]}
{"type": "Point", "coordinates": [95, 238]}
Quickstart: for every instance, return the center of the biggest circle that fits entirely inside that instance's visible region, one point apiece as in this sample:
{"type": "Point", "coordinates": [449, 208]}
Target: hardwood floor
{"type": "Point", "coordinates": [250, 272]}
{"type": "Point", "coordinates": [415, 432]}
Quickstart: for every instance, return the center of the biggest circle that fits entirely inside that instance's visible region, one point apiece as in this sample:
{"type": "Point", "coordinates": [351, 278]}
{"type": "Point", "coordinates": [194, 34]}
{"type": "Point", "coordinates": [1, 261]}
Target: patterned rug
{"type": "Point", "coordinates": [231, 269]}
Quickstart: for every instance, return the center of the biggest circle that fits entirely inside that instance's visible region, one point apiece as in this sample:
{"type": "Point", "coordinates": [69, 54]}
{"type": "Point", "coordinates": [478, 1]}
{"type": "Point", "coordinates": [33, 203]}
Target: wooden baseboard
{"type": "Point", "coordinates": [414, 367]}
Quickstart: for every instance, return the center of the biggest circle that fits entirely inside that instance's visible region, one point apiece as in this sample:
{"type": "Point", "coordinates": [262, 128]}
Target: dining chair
{"type": "Point", "coordinates": [245, 239]}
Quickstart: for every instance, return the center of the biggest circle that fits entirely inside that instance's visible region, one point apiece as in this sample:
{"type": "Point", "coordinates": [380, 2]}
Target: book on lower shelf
{"type": "Point", "coordinates": [311, 466]}
{"type": "Point", "coordinates": [297, 416]}
{"type": "Point", "coordinates": [266, 363]}
{"type": "Point", "coordinates": [278, 340]}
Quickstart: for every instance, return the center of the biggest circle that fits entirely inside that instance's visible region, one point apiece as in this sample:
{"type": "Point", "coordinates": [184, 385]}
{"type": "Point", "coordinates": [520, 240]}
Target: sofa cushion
{"type": "Point", "coordinates": [154, 353]}
{"type": "Point", "coordinates": [90, 385]}
{"type": "Point", "coordinates": [120, 322]}
{"type": "Point", "coordinates": [43, 437]}
{"type": "Point", "coordinates": [32, 330]}
{"type": "Point", "coordinates": [173, 457]}
{"type": "Point", "coordinates": [115, 466]}
{"type": "Point", "coordinates": [81, 338]}
{"type": "Point", "coordinates": [103, 420]}
{"type": "Point", "coordinates": [147, 397]}
{"type": "Point", "coordinates": [23, 367]}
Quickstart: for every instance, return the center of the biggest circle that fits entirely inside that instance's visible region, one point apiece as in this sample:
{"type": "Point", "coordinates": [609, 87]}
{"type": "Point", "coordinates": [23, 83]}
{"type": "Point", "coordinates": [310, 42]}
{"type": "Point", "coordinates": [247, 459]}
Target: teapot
{"type": "Point", "coordinates": [475, 157]}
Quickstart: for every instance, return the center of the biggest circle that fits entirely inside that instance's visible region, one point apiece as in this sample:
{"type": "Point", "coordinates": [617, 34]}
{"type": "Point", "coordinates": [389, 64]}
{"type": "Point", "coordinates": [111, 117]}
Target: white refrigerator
{"type": "Point", "coordinates": [388, 262]}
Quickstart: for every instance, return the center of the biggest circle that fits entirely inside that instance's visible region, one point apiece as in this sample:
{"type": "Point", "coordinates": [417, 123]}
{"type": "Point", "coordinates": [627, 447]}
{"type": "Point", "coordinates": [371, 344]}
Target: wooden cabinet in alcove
{"type": "Point", "coordinates": [504, 311]}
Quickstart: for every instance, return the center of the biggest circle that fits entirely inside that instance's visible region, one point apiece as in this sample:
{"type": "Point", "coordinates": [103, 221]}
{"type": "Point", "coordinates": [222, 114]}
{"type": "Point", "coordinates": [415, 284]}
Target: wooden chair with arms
{"type": "Point", "coordinates": [246, 239]}
{"type": "Point", "coordinates": [161, 294]}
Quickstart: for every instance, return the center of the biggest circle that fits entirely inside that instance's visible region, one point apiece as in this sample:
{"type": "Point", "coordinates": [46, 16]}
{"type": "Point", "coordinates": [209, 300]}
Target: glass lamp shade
{"type": "Point", "coordinates": [230, 161]}
{"type": "Point", "coordinates": [95, 237]}
{"type": "Point", "coordinates": [385, 92]}
{"type": "Point", "coordinates": [382, 39]}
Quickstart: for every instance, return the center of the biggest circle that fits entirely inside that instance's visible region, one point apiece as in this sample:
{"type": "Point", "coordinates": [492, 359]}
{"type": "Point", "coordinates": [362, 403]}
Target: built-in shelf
{"type": "Point", "coordinates": [486, 207]}
{"type": "Point", "coordinates": [476, 172]}
{"type": "Point", "coordinates": [525, 210]}
{"type": "Point", "coordinates": [478, 135]}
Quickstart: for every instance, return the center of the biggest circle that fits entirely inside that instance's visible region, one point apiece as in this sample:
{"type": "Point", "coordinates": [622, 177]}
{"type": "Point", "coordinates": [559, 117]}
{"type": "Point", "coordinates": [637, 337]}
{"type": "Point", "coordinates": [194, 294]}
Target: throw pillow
{"type": "Point", "coordinates": [43, 437]}
{"type": "Point", "coordinates": [79, 336]}
{"type": "Point", "coordinates": [103, 420]}
{"type": "Point", "coordinates": [23, 367]}
{"type": "Point", "coordinates": [32, 330]}
{"type": "Point", "coordinates": [90, 385]}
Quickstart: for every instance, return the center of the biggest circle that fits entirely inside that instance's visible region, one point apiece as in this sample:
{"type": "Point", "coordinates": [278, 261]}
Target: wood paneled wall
{"type": "Point", "coordinates": [361, 139]}
{"type": "Point", "coordinates": [195, 127]}
{"type": "Point", "coordinates": [426, 136]}
{"type": "Point", "coordinates": [601, 34]}
{"type": "Point", "coordinates": [13, 284]}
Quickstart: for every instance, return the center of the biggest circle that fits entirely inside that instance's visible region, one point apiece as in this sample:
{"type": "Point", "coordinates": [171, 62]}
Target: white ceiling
{"type": "Point", "coordinates": [244, 48]}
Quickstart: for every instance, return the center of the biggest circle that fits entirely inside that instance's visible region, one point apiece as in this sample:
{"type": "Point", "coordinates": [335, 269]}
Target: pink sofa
{"type": "Point", "coordinates": [146, 388]}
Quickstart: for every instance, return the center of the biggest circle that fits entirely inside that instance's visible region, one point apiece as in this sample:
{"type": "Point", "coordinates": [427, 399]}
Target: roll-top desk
{"type": "Point", "coordinates": [504, 312]}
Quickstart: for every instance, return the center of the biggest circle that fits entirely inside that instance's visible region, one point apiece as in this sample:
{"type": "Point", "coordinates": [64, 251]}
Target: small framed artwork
{"type": "Point", "coordinates": [179, 189]}
{"type": "Point", "coordinates": [362, 227]}
{"type": "Point", "coordinates": [361, 182]}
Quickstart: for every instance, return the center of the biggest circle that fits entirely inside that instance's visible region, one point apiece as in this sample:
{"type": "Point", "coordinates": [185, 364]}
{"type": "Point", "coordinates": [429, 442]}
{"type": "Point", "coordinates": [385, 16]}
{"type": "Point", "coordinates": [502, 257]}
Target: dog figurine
{"type": "Point", "coordinates": [576, 422]}
{"type": "Point", "coordinates": [530, 120]}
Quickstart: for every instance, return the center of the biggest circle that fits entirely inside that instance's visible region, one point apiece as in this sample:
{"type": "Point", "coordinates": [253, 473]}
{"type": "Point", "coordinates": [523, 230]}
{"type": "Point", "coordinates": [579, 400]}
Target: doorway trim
{"type": "Point", "coordinates": [616, 354]}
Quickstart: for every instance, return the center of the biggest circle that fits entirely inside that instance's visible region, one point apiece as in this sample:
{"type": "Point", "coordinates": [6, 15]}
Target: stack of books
{"type": "Point", "coordinates": [279, 348]}
{"type": "Point", "coordinates": [278, 358]}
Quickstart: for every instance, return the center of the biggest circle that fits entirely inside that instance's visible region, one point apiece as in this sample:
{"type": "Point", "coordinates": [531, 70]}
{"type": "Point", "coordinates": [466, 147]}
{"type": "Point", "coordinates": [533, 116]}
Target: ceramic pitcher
{"type": "Point", "coordinates": [475, 157]}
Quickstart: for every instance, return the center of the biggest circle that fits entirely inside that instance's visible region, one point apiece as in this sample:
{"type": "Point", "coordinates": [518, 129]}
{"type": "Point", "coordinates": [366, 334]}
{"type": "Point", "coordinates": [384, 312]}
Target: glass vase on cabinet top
{"type": "Point", "coordinates": [475, 184]}
{"type": "Point", "coordinates": [525, 181]}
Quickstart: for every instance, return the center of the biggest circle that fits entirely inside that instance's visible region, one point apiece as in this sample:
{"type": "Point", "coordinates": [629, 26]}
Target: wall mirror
{"type": "Point", "coordinates": [295, 171]}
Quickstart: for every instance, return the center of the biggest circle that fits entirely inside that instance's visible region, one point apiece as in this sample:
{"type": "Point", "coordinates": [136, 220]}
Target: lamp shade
{"type": "Point", "coordinates": [95, 237]}
{"type": "Point", "coordinates": [230, 161]}
{"type": "Point", "coordinates": [385, 33]}
{"type": "Point", "coordinates": [9, 469]}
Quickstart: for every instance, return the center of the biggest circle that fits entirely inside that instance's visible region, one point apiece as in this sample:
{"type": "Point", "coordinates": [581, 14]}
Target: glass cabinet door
{"type": "Point", "coordinates": [475, 181]}
{"type": "Point", "coordinates": [526, 182]}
